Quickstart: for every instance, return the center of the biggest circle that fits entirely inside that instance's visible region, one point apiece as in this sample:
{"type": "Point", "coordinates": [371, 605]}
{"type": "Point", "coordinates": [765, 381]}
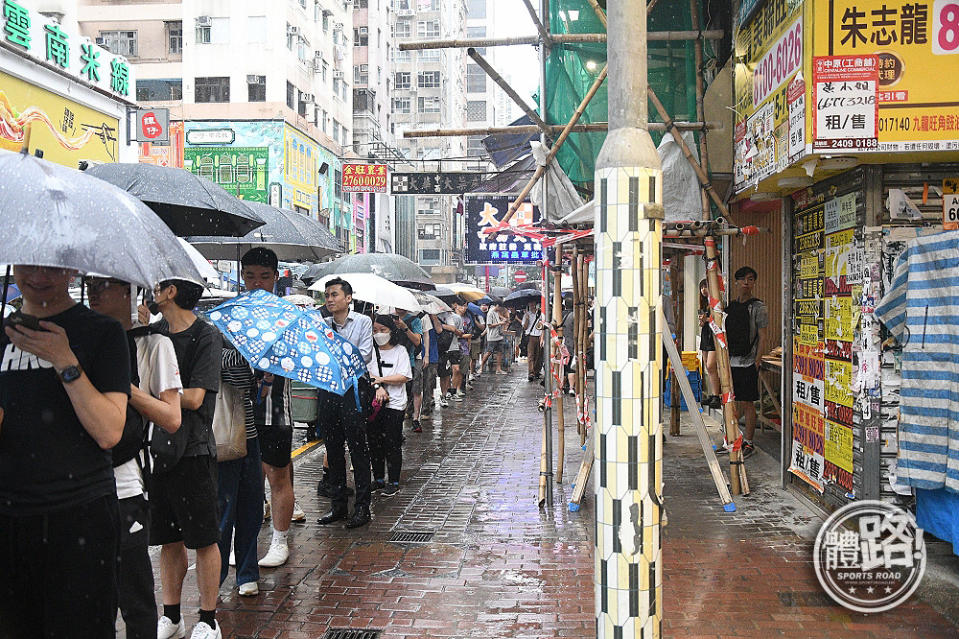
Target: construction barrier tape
{"type": "Point", "coordinates": [728, 397]}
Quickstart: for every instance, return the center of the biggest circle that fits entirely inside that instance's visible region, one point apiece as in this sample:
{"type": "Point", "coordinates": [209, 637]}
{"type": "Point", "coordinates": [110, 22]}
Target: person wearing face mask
{"type": "Point", "coordinates": [390, 371]}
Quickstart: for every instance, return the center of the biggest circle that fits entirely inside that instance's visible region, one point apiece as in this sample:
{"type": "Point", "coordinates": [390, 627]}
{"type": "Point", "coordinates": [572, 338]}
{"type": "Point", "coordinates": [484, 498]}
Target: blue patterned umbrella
{"type": "Point", "coordinates": [280, 338]}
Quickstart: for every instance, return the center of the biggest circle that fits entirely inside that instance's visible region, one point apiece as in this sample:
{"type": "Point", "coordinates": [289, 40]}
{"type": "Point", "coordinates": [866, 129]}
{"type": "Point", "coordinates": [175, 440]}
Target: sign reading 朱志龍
{"type": "Point", "coordinates": [845, 103]}
{"type": "Point", "coordinates": [364, 178]}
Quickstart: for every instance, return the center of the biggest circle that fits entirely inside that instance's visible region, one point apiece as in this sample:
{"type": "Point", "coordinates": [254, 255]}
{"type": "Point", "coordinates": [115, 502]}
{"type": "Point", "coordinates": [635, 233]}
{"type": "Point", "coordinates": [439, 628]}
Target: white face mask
{"type": "Point", "coordinates": [381, 339]}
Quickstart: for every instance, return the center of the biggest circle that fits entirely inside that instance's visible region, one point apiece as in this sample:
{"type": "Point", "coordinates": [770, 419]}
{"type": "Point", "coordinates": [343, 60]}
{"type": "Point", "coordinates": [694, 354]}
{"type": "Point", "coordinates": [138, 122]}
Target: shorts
{"type": "Point", "coordinates": [745, 383]}
{"type": "Point", "coordinates": [276, 444]}
{"type": "Point", "coordinates": [183, 504]}
{"type": "Point", "coordinates": [497, 346]}
{"type": "Point", "coordinates": [416, 386]}
{"type": "Point", "coordinates": [445, 366]}
{"type": "Point", "coordinates": [476, 348]}
{"type": "Point", "coordinates": [464, 362]}
{"type": "Point", "coordinates": [706, 339]}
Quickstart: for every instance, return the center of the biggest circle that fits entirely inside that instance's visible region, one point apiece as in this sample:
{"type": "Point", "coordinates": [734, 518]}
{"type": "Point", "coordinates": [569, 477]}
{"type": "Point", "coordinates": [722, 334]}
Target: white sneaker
{"type": "Point", "coordinates": [203, 631]}
{"type": "Point", "coordinates": [298, 514]}
{"type": "Point", "coordinates": [166, 629]}
{"type": "Point", "coordinates": [460, 396]}
{"type": "Point", "coordinates": [249, 589]}
{"type": "Point", "coordinates": [276, 556]}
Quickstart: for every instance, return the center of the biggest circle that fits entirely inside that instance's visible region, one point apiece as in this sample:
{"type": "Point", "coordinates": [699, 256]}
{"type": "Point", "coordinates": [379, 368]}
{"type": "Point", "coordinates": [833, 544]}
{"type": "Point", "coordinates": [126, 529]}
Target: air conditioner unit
{"type": "Point", "coordinates": [337, 26]}
{"type": "Point", "coordinates": [404, 13]}
{"type": "Point", "coordinates": [317, 56]}
{"type": "Point", "coordinates": [204, 21]}
{"type": "Point", "coordinates": [307, 97]}
{"type": "Point", "coordinates": [293, 30]}
{"type": "Point", "coordinates": [337, 74]}
{"type": "Point", "coordinates": [101, 41]}
{"type": "Point", "coordinates": [255, 79]}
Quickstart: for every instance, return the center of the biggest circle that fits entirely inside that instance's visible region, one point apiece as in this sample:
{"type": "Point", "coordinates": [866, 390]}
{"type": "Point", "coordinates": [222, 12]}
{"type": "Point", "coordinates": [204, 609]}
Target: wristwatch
{"type": "Point", "coordinates": [70, 374]}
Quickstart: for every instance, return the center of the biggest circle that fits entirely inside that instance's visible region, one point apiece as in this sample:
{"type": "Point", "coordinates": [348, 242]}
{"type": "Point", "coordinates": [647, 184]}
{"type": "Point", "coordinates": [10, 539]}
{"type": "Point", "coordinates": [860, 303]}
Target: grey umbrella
{"type": "Point", "coordinates": [188, 203]}
{"type": "Point", "coordinates": [292, 236]}
{"type": "Point", "coordinates": [522, 297]}
{"type": "Point", "coordinates": [389, 266]}
{"type": "Point", "coordinates": [52, 215]}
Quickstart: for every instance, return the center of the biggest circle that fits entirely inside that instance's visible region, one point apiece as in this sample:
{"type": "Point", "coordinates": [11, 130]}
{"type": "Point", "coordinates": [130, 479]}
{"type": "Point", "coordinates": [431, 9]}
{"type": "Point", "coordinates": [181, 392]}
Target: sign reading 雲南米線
{"type": "Point", "coordinates": [30, 33]}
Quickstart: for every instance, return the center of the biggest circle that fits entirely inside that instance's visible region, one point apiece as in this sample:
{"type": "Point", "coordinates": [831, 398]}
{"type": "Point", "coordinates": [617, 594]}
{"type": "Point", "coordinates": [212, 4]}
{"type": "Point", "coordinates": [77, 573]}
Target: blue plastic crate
{"type": "Point", "coordinates": [695, 383]}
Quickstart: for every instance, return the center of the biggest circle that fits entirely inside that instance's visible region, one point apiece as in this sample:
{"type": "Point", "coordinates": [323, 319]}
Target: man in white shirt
{"type": "Point", "coordinates": [154, 402]}
{"type": "Point", "coordinates": [533, 329]}
{"type": "Point", "coordinates": [496, 320]}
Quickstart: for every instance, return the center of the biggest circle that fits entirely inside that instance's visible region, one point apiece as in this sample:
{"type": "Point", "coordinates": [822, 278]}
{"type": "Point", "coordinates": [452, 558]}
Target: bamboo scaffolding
{"type": "Point", "coordinates": [703, 155]}
{"type": "Point", "coordinates": [503, 84]}
{"type": "Point", "coordinates": [585, 343]}
{"type": "Point", "coordinates": [737, 470]}
{"type": "Point", "coordinates": [557, 364]}
{"type": "Point", "coordinates": [592, 127]}
{"type": "Point", "coordinates": [674, 405]}
{"type": "Point", "coordinates": [563, 38]}
{"type": "Point", "coordinates": [577, 324]}
{"type": "Point", "coordinates": [536, 21]}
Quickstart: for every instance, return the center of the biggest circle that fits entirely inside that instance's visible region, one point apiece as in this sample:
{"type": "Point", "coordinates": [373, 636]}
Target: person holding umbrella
{"type": "Point", "coordinates": [64, 384]}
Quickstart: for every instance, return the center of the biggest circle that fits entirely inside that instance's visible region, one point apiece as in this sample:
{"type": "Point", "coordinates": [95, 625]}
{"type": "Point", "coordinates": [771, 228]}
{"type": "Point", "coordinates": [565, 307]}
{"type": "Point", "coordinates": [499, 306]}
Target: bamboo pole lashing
{"type": "Point", "coordinates": [544, 34]}
{"type": "Point", "coordinates": [503, 84]}
{"type": "Point", "coordinates": [698, 52]}
{"type": "Point", "coordinates": [562, 38]}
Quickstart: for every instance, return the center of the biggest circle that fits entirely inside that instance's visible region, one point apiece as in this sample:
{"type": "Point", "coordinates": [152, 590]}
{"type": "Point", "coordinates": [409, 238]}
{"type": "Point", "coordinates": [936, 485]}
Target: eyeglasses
{"type": "Point", "coordinates": [98, 286]}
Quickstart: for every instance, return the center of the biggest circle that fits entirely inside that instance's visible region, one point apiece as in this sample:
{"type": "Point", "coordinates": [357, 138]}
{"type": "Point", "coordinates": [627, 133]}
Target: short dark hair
{"type": "Point", "coordinates": [343, 284]}
{"type": "Point", "coordinates": [745, 271]}
{"type": "Point", "coordinates": [390, 323]}
{"type": "Point", "coordinates": [187, 293]}
{"type": "Point", "coordinates": [261, 256]}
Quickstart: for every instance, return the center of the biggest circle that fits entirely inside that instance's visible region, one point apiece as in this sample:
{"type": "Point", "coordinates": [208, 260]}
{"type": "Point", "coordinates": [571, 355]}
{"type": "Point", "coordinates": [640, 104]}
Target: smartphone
{"type": "Point", "coordinates": [153, 307]}
{"type": "Point", "coordinates": [19, 318]}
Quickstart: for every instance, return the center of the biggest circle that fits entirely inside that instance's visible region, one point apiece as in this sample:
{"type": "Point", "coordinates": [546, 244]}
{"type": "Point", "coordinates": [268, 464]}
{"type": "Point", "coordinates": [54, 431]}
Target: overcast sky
{"type": "Point", "coordinates": [519, 63]}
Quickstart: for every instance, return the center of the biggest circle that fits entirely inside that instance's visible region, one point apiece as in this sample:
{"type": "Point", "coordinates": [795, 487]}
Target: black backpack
{"type": "Point", "coordinates": [738, 328]}
{"type": "Point", "coordinates": [444, 340]}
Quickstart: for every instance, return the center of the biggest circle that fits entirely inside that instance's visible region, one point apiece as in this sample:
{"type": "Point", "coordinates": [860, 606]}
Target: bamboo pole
{"type": "Point", "coordinates": [674, 406]}
{"type": "Point", "coordinates": [498, 79]}
{"type": "Point", "coordinates": [558, 365]}
{"type": "Point", "coordinates": [731, 422]}
{"type": "Point", "coordinates": [574, 356]}
{"type": "Point", "coordinates": [544, 34]}
{"type": "Point", "coordinates": [700, 174]}
{"type": "Point", "coordinates": [557, 145]}
{"type": "Point", "coordinates": [703, 155]}
{"type": "Point", "coordinates": [585, 342]}
{"type": "Point", "coordinates": [599, 12]}
{"type": "Point", "coordinates": [563, 38]}
{"type": "Point", "coordinates": [591, 127]}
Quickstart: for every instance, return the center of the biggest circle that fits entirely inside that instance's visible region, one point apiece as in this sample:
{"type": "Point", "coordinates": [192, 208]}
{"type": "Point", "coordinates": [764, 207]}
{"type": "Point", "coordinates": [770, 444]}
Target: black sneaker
{"type": "Point", "coordinates": [416, 426]}
{"type": "Point", "coordinates": [378, 484]}
{"type": "Point", "coordinates": [713, 401]}
{"type": "Point", "coordinates": [391, 488]}
{"type": "Point", "coordinates": [324, 488]}
{"type": "Point", "coordinates": [748, 450]}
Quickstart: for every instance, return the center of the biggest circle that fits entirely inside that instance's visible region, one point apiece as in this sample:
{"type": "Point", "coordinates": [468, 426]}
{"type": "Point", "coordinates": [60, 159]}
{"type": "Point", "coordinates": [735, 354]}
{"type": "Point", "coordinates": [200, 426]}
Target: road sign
{"type": "Point", "coordinates": [153, 125]}
{"type": "Point", "coordinates": [950, 204]}
{"type": "Point", "coordinates": [519, 276]}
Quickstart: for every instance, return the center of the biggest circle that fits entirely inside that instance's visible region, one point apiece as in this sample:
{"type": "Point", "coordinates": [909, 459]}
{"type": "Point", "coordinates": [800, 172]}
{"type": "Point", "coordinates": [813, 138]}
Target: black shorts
{"type": "Point", "coordinates": [276, 444]}
{"type": "Point", "coordinates": [183, 504]}
{"type": "Point", "coordinates": [745, 383]}
{"type": "Point", "coordinates": [447, 360]}
{"type": "Point", "coordinates": [706, 339]}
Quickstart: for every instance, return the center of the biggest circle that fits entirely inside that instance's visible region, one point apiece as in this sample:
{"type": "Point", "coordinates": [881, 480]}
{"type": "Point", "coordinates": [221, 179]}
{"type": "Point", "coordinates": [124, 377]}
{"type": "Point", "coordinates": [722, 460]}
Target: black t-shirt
{"type": "Point", "coordinates": [274, 409]}
{"type": "Point", "coordinates": [199, 351]}
{"type": "Point", "coordinates": [48, 461]}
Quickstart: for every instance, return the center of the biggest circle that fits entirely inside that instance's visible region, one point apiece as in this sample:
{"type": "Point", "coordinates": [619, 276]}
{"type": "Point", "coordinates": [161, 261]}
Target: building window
{"type": "Point", "coordinates": [361, 37]}
{"type": "Point", "coordinates": [120, 42]}
{"type": "Point", "coordinates": [336, 132]}
{"type": "Point", "coordinates": [336, 86]}
{"type": "Point", "coordinates": [430, 55]}
{"type": "Point", "coordinates": [429, 256]}
{"type": "Point", "coordinates": [475, 9]}
{"type": "Point", "coordinates": [203, 32]}
{"type": "Point", "coordinates": [326, 21]}
{"type": "Point", "coordinates": [428, 105]}
{"type": "Point", "coordinates": [174, 37]}
{"type": "Point", "coordinates": [476, 110]}
{"type": "Point", "coordinates": [401, 105]}
{"type": "Point", "coordinates": [401, 80]}
{"type": "Point", "coordinates": [475, 79]}
{"type": "Point", "coordinates": [326, 68]}
{"type": "Point", "coordinates": [401, 5]}
{"type": "Point", "coordinates": [290, 36]}
{"type": "Point", "coordinates": [302, 49]}
{"type": "Point", "coordinates": [212, 89]}
{"type": "Point", "coordinates": [361, 74]}
{"type": "Point", "coordinates": [402, 56]}
{"type": "Point", "coordinates": [290, 95]}
{"type": "Point", "coordinates": [403, 29]}
{"type": "Point", "coordinates": [428, 29]}
{"type": "Point", "coordinates": [155, 90]}
{"type": "Point", "coordinates": [474, 146]}
{"type": "Point", "coordinates": [325, 121]}
{"type": "Point", "coordinates": [301, 105]}
{"type": "Point", "coordinates": [428, 79]}
{"type": "Point", "coordinates": [256, 88]}
{"type": "Point", "coordinates": [361, 4]}
{"type": "Point", "coordinates": [428, 232]}
{"type": "Point", "coordinates": [338, 183]}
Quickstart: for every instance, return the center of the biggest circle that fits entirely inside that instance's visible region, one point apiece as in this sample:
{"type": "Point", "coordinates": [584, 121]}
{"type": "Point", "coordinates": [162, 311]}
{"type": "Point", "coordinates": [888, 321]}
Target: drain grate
{"type": "Point", "coordinates": [409, 537]}
{"type": "Point", "coordinates": [805, 599]}
{"type": "Point", "coordinates": [350, 633]}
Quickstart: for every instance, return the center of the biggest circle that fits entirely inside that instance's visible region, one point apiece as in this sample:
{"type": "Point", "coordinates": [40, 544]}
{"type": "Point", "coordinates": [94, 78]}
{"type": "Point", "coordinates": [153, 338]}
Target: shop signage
{"type": "Point", "coordinates": [30, 33]}
{"type": "Point", "coordinates": [796, 96]}
{"type": "Point", "coordinates": [364, 178]}
{"type": "Point", "coordinates": [950, 204]}
{"type": "Point", "coordinates": [782, 60]}
{"type": "Point", "coordinates": [914, 42]}
{"type": "Point", "coordinates": [845, 104]}
{"type": "Point", "coordinates": [435, 183]}
{"type": "Point", "coordinates": [484, 211]}
{"type": "Point", "coordinates": [153, 125]}
{"type": "Point", "coordinates": [242, 171]}
{"type": "Point", "coordinates": [218, 137]}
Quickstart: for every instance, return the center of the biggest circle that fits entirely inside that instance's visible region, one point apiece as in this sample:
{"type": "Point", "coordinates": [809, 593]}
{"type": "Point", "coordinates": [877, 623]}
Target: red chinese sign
{"type": "Point", "coordinates": [364, 178]}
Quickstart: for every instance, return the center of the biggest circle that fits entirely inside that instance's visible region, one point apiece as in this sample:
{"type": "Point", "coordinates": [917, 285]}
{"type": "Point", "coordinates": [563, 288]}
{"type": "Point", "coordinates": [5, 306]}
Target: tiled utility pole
{"type": "Point", "coordinates": [628, 232]}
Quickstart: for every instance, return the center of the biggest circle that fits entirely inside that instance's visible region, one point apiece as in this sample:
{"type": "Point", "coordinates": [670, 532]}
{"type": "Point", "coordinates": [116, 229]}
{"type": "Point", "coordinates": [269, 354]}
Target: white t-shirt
{"type": "Point", "coordinates": [396, 361]}
{"type": "Point", "coordinates": [159, 371]}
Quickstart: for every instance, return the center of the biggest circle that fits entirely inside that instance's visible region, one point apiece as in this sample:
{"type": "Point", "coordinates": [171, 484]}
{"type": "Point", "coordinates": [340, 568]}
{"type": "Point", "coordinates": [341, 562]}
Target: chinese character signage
{"type": "Point", "coordinates": [485, 211]}
{"type": "Point", "coordinates": [153, 125]}
{"type": "Point", "coordinates": [170, 154]}
{"type": "Point", "coordinates": [914, 43]}
{"type": "Point", "coordinates": [364, 178]}
{"type": "Point", "coordinates": [846, 109]}
{"type": "Point", "coordinates": [242, 171]}
{"type": "Point", "coordinates": [434, 183]}
{"type": "Point", "coordinates": [950, 204]}
{"type": "Point", "coordinates": [28, 32]}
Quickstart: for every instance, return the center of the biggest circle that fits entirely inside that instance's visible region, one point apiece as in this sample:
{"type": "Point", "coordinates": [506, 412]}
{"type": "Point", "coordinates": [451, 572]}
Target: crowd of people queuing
{"type": "Point", "coordinates": [107, 445]}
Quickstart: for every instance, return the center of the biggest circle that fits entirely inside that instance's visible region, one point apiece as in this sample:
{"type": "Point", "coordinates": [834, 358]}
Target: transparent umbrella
{"type": "Point", "coordinates": [390, 266]}
{"type": "Point", "coordinates": [52, 215]}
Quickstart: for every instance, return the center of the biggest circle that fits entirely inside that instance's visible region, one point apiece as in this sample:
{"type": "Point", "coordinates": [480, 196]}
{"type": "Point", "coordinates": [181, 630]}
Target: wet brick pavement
{"type": "Point", "coordinates": [498, 566]}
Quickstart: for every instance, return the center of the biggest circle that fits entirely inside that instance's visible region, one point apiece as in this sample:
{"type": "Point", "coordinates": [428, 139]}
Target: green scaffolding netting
{"type": "Point", "coordinates": [572, 68]}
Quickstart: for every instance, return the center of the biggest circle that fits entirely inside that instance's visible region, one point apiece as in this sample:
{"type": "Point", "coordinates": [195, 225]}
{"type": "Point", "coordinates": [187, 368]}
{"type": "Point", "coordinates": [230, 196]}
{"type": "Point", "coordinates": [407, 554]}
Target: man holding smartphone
{"type": "Point", "coordinates": [63, 395]}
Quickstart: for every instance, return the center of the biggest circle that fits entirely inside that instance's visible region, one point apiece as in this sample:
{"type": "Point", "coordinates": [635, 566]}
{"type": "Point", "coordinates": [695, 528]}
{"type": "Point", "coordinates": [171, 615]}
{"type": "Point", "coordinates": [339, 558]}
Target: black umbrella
{"type": "Point", "coordinates": [526, 286]}
{"type": "Point", "coordinates": [187, 203]}
{"type": "Point", "coordinates": [389, 266]}
{"type": "Point", "coordinates": [499, 291]}
{"type": "Point", "coordinates": [291, 235]}
{"type": "Point", "coordinates": [522, 297]}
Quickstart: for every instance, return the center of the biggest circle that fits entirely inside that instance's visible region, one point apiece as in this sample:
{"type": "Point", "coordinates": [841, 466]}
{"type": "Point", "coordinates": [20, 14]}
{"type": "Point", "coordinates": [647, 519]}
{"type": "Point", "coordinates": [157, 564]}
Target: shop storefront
{"type": "Point", "coordinates": [843, 123]}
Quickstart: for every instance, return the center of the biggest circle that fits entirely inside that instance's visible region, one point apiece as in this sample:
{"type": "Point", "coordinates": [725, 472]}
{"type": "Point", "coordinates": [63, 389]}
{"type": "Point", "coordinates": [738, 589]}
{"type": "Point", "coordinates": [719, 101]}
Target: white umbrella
{"type": "Point", "coordinates": [373, 289]}
{"type": "Point", "coordinates": [201, 263]}
{"type": "Point", "coordinates": [301, 300]}
{"type": "Point", "coordinates": [430, 303]}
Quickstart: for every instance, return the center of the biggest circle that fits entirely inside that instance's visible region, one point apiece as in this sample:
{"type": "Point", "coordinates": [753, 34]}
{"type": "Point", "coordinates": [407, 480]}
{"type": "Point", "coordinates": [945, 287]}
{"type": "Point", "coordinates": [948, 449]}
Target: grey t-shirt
{"type": "Point", "coordinates": [455, 321]}
{"type": "Point", "coordinates": [493, 333]}
{"type": "Point", "coordinates": [758, 318]}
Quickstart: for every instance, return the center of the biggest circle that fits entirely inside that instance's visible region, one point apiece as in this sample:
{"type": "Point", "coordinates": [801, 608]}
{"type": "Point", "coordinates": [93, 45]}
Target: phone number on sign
{"type": "Point", "coordinates": [851, 143]}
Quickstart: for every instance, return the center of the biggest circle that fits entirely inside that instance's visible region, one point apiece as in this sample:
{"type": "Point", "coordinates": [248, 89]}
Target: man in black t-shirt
{"type": "Point", "coordinates": [183, 499]}
{"type": "Point", "coordinates": [63, 397]}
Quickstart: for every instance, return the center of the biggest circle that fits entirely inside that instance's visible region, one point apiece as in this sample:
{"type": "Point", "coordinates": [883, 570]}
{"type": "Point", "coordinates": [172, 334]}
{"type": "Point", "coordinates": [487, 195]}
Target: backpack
{"type": "Point", "coordinates": [444, 340]}
{"type": "Point", "coordinates": [738, 327]}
